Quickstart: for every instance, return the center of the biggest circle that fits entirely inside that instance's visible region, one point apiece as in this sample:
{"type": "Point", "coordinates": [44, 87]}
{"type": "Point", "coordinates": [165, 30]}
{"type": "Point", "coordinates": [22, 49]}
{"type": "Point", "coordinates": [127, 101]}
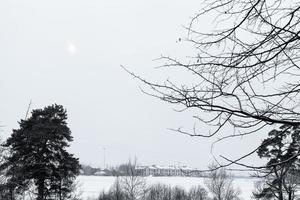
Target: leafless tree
{"type": "Point", "coordinates": [116, 191]}
{"type": "Point", "coordinates": [220, 185]}
{"type": "Point", "coordinates": [159, 192]}
{"type": "Point", "coordinates": [198, 193]}
{"type": "Point", "coordinates": [245, 69]}
{"type": "Point", "coordinates": [133, 185]}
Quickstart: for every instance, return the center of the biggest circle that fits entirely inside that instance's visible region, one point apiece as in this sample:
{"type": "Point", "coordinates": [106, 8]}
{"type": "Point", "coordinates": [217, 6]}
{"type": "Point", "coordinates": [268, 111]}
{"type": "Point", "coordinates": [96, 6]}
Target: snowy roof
{"type": "Point", "coordinates": [100, 173]}
{"type": "Point", "coordinates": [170, 167]}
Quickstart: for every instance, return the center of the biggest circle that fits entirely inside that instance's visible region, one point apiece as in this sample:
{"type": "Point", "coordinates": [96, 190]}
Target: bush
{"type": "Point", "coordinates": [158, 192]}
{"type": "Point", "coordinates": [198, 193]}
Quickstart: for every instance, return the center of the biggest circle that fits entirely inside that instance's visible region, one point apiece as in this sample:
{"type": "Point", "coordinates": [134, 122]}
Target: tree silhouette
{"type": "Point", "coordinates": [39, 155]}
{"type": "Point", "coordinates": [245, 70]}
{"type": "Point", "coordinates": [281, 175]}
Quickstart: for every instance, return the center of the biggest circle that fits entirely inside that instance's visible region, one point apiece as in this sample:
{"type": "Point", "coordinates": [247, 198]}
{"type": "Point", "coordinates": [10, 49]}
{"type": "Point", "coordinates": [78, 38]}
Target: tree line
{"type": "Point", "coordinates": [219, 186]}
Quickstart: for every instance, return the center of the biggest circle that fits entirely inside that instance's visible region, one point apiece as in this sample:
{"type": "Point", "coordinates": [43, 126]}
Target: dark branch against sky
{"type": "Point", "coordinates": [70, 52]}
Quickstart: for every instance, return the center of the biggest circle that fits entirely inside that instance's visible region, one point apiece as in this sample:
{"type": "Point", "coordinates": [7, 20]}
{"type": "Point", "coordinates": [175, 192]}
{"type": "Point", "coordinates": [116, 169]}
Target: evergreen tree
{"type": "Point", "coordinates": [281, 174]}
{"type": "Point", "coordinates": [39, 155]}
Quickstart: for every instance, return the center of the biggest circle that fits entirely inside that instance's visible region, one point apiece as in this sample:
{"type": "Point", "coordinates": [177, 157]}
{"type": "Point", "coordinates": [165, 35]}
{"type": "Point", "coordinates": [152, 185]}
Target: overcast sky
{"type": "Point", "coordinates": [69, 52]}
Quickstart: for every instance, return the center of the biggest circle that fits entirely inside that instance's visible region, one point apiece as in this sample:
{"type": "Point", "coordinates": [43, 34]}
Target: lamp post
{"type": "Point", "coordinates": [104, 158]}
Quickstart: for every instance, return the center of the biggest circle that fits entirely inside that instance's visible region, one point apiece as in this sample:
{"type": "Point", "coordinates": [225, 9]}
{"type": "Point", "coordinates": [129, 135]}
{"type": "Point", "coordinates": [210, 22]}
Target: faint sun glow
{"type": "Point", "coordinates": [71, 48]}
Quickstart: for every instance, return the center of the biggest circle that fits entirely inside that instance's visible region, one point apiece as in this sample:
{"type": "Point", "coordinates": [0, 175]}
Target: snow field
{"type": "Point", "coordinates": [91, 186]}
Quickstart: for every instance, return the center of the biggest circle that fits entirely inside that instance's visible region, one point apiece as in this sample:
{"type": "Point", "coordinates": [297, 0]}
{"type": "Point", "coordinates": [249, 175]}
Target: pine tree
{"type": "Point", "coordinates": [281, 173]}
{"type": "Point", "coordinates": [39, 155]}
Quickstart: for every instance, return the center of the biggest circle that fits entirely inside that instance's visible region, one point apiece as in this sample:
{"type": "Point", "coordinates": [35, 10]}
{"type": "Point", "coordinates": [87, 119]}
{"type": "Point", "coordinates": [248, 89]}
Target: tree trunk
{"type": "Point", "coordinates": [280, 189]}
{"type": "Point", "coordinates": [12, 192]}
{"type": "Point", "coordinates": [291, 194]}
{"type": "Point", "coordinates": [280, 194]}
{"type": "Point", "coordinates": [41, 189]}
{"type": "Point", "coordinates": [60, 190]}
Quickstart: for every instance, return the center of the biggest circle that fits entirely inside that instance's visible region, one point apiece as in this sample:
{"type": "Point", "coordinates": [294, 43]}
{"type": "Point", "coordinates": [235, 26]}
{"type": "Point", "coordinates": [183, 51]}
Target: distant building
{"type": "Point", "coordinates": [100, 173]}
{"type": "Point", "coordinates": [155, 170]}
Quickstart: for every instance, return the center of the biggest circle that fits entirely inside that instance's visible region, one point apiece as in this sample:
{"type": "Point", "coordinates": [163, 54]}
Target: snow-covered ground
{"type": "Point", "coordinates": [91, 186]}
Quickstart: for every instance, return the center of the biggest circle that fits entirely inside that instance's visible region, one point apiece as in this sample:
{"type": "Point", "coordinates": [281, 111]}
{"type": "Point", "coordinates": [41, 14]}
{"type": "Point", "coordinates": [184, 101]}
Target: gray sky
{"type": "Point", "coordinates": [70, 51]}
